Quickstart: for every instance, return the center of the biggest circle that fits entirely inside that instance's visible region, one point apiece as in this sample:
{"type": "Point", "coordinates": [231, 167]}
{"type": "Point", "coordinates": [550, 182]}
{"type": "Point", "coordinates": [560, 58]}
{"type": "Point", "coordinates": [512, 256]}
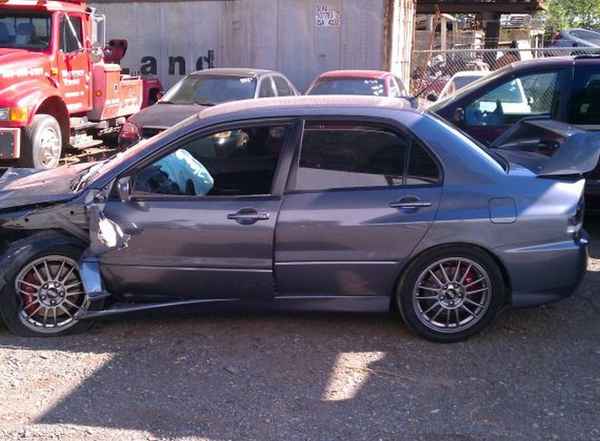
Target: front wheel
{"type": "Point", "coordinates": [44, 292]}
{"type": "Point", "coordinates": [450, 294]}
{"type": "Point", "coordinates": [42, 143]}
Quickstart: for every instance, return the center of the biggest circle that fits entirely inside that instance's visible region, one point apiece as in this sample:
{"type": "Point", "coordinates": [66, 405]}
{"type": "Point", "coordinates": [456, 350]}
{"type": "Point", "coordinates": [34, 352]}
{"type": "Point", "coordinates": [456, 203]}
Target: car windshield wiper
{"type": "Point", "coordinates": [205, 103]}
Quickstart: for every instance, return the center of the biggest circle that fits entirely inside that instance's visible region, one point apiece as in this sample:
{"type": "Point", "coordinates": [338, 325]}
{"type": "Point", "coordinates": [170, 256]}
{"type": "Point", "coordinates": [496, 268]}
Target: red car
{"type": "Point", "coordinates": [358, 82]}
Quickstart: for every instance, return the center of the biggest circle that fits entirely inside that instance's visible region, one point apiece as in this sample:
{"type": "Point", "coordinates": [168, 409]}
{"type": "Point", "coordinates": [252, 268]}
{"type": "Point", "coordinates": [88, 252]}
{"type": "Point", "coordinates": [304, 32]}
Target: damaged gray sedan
{"type": "Point", "coordinates": [339, 202]}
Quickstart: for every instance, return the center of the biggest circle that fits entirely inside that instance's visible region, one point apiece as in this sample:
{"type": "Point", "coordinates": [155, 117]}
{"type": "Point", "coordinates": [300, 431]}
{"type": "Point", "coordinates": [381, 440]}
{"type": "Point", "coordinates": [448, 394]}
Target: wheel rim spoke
{"type": "Point", "coordinates": [31, 285]}
{"type": "Point", "coordinates": [438, 281]}
{"type": "Point", "coordinates": [62, 265]}
{"type": "Point", "coordinates": [38, 275]}
{"type": "Point", "coordinates": [464, 276]}
{"type": "Point", "coordinates": [456, 271]}
{"type": "Point", "coordinates": [48, 273]}
{"type": "Point", "coordinates": [471, 313]}
{"type": "Point", "coordinates": [437, 313]}
{"type": "Point", "coordinates": [64, 279]}
{"type": "Point", "coordinates": [474, 303]}
{"type": "Point", "coordinates": [477, 291]}
{"type": "Point", "coordinates": [35, 311]}
{"type": "Point", "coordinates": [474, 283]}
{"type": "Point", "coordinates": [444, 273]}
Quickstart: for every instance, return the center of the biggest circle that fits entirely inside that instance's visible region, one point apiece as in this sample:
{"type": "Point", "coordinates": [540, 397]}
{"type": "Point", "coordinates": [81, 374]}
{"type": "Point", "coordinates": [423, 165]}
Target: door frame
{"type": "Point", "coordinates": [389, 123]}
{"type": "Point", "coordinates": [63, 60]}
{"type": "Point", "coordinates": [282, 171]}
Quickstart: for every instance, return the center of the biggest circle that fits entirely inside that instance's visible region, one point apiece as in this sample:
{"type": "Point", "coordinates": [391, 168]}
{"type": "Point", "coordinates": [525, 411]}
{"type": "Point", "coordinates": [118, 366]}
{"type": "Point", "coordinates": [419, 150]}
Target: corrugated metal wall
{"type": "Point", "coordinates": [277, 34]}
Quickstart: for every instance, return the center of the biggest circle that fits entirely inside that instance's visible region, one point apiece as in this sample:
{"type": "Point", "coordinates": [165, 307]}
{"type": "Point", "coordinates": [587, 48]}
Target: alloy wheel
{"type": "Point", "coordinates": [51, 294]}
{"type": "Point", "coordinates": [452, 294]}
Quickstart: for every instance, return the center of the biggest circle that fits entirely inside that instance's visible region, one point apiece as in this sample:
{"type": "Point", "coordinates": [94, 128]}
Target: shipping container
{"type": "Point", "coordinates": [300, 38]}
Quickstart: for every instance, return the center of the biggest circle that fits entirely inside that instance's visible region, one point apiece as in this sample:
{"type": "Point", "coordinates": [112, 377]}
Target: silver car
{"type": "Point", "coordinates": [306, 202]}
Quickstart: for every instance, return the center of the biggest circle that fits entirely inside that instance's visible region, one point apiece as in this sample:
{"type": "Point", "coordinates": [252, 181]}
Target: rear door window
{"type": "Point", "coordinates": [345, 155]}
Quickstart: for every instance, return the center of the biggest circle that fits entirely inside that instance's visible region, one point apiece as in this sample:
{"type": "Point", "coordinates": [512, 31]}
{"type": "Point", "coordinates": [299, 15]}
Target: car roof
{"type": "Point", "coordinates": [307, 105]}
{"type": "Point", "coordinates": [236, 72]}
{"type": "Point", "coordinates": [372, 74]}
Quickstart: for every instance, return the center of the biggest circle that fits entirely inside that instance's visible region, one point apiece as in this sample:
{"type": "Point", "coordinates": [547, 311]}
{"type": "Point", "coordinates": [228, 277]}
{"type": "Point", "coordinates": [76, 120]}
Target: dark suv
{"type": "Point", "coordinates": [563, 88]}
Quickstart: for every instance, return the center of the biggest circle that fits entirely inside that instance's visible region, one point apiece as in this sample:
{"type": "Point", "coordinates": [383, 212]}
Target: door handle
{"type": "Point", "coordinates": [410, 202]}
{"type": "Point", "coordinates": [248, 216]}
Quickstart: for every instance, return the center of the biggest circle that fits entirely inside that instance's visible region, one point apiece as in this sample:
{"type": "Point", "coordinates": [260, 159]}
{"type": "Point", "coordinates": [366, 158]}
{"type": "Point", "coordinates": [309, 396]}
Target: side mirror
{"type": "Point", "coordinates": [124, 189]}
{"type": "Point", "coordinates": [432, 96]}
{"type": "Point", "coordinates": [459, 116]}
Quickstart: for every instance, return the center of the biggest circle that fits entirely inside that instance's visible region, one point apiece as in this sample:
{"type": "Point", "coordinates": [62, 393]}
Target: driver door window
{"type": "Point", "coordinates": [239, 162]}
{"type": "Point", "coordinates": [530, 95]}
{"type": "Point", "coordinates": [70, 42]}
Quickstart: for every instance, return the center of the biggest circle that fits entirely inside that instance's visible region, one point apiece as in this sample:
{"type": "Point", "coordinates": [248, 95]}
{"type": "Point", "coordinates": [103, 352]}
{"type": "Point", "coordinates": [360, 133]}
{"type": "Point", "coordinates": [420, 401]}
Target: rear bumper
{"type": "Point", "coordinates": [10, 143]}
{"type": "Point", "coordinates": [546, 273]}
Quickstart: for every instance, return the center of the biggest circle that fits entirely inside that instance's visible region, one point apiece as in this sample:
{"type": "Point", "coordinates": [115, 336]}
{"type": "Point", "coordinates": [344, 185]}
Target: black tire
{"type": "Point", "coordinates": [406, 294]}
{"type": "Point", "coordinates": [17, 257]}
{"type": "Point", "coordinates": [35, 149]}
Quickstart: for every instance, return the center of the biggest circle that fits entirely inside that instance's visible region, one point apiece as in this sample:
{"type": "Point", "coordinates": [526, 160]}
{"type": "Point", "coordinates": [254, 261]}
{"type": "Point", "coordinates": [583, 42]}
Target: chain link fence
{"type": "Point", "coordinates": [431, 70]}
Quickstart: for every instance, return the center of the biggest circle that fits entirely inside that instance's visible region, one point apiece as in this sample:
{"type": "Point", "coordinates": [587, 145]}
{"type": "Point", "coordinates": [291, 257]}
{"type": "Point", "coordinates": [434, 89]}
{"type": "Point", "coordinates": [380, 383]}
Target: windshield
{"type": "Point", "coordinates": [25, 31]}
{"type": "Point", "coordinates": [348, 86]}
{"type": "Point", "coordinates": [207, 90]}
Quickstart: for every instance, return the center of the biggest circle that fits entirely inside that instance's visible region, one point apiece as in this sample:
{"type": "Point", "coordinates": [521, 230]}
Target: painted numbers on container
{"type": "Point", "coordinates": [326, 16]}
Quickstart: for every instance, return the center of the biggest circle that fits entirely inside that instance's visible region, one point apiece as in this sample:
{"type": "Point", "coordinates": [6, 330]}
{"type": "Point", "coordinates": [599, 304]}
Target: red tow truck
{"type": "Point", "coordinates": [61, 87]}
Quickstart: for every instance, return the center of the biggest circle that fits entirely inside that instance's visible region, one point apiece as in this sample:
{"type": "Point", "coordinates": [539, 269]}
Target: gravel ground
{"type": "Point", "coordinates": [534, 375]}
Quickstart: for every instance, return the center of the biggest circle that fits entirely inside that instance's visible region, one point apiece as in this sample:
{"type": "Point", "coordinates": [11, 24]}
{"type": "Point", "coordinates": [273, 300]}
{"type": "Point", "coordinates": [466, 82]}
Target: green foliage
{"type": "Point", "coordinates": [564, 14]}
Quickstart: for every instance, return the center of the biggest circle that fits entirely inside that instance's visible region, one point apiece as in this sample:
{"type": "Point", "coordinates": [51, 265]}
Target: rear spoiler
{"type": "Point", "coordinates": [550, 148]}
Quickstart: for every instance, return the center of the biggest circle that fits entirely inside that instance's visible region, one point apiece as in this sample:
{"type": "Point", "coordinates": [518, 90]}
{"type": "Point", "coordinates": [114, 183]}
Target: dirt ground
{"type": "Point", "coordinates": [534, 375]}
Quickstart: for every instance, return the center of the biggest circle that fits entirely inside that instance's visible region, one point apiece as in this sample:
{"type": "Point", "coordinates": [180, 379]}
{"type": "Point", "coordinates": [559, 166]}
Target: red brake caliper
{"type": "Point", "coordinates": [28, 292]}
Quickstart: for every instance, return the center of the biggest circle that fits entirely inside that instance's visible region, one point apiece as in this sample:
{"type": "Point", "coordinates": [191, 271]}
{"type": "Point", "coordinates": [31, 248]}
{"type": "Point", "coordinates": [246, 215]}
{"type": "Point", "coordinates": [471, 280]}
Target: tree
{"type": "Point", "coordinates": [564, 14]}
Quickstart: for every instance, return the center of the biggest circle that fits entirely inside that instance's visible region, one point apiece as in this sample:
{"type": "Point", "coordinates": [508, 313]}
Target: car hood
{"type": "Point", "coordinates": [23, 187]}
{"type": "Point", "coordinates": [550, 148]}
{"type": "Point", "coordinates": [163, 116]}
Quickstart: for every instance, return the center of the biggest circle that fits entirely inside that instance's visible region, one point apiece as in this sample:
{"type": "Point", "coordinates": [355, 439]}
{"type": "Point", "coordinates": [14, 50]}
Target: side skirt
{"type": "Point", "coordinates": [123, 308]}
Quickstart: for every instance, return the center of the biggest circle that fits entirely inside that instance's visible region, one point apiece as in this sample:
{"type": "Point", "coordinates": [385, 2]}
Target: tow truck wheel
{"type": "Point", "coordinates": [42, 144]}
{"type": "Point", "coordinates": [43, 292]}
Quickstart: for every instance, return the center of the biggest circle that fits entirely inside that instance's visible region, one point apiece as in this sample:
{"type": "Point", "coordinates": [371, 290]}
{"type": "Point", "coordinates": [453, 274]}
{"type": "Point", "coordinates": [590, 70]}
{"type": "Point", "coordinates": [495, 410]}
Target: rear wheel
{"type": "Point", "coordinates": [42, 143]}
{"type": "Point", "coordinates": [44, 292]}
{"type": "Point", "coordinates": [450, 294]}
